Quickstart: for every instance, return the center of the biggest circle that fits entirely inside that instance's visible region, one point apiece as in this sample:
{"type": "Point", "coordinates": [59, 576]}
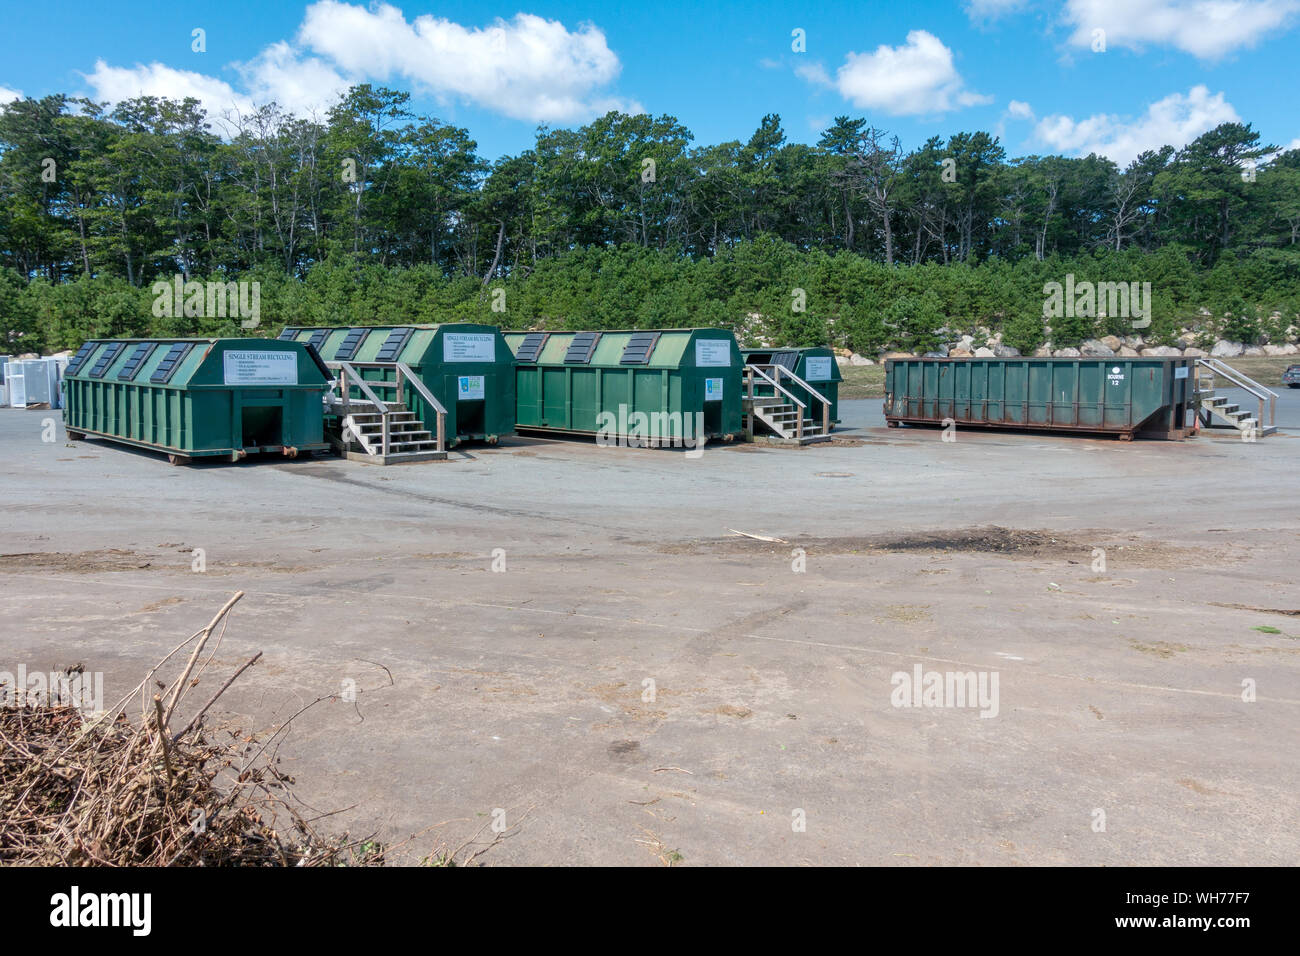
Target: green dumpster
{"type": "Point", "coordinates": [663, 387]}
{"type": "Point", "coordinates": [198, 398]}
{"type": "Point", "coordinates": [1149, 397]}
{"type": "Point", "coordinates": [467, 367]}
{"type": "Point", "coordinates": [816, 366]}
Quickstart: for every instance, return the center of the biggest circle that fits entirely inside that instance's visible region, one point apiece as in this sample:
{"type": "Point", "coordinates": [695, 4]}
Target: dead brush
{"type": "Point", "coordinates": [109, 791]}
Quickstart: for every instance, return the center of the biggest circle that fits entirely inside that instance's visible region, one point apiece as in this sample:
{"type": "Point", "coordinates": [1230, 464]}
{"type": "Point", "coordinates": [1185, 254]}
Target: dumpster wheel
{"type": "Point", "coordinates": [178, 459]}
{"type": "Point", "coordinates": [76, 436]}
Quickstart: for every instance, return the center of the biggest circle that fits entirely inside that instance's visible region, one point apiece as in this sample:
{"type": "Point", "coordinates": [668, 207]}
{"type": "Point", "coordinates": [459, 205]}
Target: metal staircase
{"type": "Point", "coordinates": [377, 431]}
{"type": "Point", "coordinates": [1217, 411]}
{"type": "Point", "coordinates": [784, 414]}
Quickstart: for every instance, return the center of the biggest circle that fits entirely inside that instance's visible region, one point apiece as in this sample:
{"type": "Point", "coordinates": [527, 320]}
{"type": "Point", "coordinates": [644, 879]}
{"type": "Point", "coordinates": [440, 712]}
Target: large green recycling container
{"type": "Point", "coordinates": [1150, 397]}
{"type": "Point", "coordinates": [467, 367]}
{"type": "Point", "coordinates": [658, 387]}
{"type": "Point", "coordinates": [197, 398]}
{"type": "Point", "coordinates": [816, 366]}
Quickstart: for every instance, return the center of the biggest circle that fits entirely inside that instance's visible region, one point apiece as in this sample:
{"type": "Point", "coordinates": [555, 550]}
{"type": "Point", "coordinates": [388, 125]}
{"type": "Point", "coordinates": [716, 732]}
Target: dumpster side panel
{"type": "Point", "coordinates": [180, 396]}
{"type": "Point", "coordinates": [1110, 395]}
{"type": "Point", "coordinates": [668, 388]}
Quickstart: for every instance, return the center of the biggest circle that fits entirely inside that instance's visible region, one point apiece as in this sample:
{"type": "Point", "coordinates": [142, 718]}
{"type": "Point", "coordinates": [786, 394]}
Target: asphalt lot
{"type": "Point", "coordinates": [1119, 690]}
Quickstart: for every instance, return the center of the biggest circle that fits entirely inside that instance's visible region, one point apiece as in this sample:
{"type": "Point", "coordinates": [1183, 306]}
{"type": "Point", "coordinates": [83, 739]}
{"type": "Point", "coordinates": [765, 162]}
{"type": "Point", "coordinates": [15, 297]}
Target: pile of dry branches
{"type": "Point", "coordinates": [109, 791]}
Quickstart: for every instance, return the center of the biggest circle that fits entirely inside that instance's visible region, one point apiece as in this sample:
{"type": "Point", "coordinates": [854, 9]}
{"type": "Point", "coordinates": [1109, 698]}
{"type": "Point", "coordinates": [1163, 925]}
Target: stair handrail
{"type": "Point", "coordinates": [775, 383]}
{"type": "Point", "coordinates": [350, 376]}
{"type": "Point", "coordinates": [414, 381]}
{"type": "Point", "coordinates": [1243, 381]}
{"type": "Point", "coordinates": [771, 381]}
{"type": "Point", "coordinates": [807, 387]}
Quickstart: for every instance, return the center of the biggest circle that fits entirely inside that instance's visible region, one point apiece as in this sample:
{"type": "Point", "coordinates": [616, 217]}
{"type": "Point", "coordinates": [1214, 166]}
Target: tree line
{"type": "Point", "coordinates": [373, 214]}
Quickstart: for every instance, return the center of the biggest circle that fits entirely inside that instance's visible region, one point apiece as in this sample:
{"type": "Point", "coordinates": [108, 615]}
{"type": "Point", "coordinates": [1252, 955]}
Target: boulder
{"type": "Point", "coordinates": [1134, 341]}
{"type": "Point", "coordinates": [1186, 339]}
{"type": "Point", "coordinates": [896, 355]}
{"type": "Point", "coordinates": [1005, 351]}
{"type": "Point", "coordinates": [1126, 352]}
{"type": "Point", "coordinates": [1043, 351]}
{"type": "Point", "coordinates": [856, 359]}
{"type": "Point", "coordinates": [941, 352]}
{"type": "Point", "coordinates": [1193, 352]}
{"type": "Point", "coordinates": [1093, 347]}
{"type": "Point", "coordinates": [966, 342]}
{"type": "Point", "coordinates": [959, 353]}
{"type": "Point", "coordinates": [1066, 353]}
{"type": "Point", "coordinates": [1226, 349]}
{"type": "Point", "coordinates": [983, 352]}
{"type": "Point", "coordinates": [1279, 350]}
{"type": "Point", "coordinates": [1254, 351]}
{"type": "Point", "coordinates": [1112, 342]}
{"type": "Point", "coordinates": [1161, 351]}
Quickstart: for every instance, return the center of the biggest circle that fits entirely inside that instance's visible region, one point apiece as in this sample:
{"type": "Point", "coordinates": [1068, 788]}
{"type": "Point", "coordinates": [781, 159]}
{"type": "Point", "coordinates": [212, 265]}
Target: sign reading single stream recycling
{"type": "Point", "coordinates": [712, 352]}
{"type": "Point", "coordinates": [261, 368]}
{"type": "Point", "coordinates": [468, 347]}
{"type": "Point", "coordinates": [819, 368]}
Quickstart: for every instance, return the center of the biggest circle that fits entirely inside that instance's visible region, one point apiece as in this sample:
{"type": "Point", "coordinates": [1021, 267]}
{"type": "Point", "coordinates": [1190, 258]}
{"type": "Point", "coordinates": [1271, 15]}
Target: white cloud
{"type": "Point", "coordinates": [300, 85]}
{"type": "Point", "coordinates": [1208, 29]}
{"type": "Point", "coordinates": [992, 9]}
{"type": "Point", "coordinates": [915, 78]}
{"type": "Point", "coordinates": [112, 84]}
{"type": "Point", "coordinates": [7, 95]}
{"type": "Point", "coordinates": [1294, 144]}
{"type": "Point", "coordinates": [1019, 109]}
{"type": "Point", "coordinates": [814, 73]}
{"type": "Point", "coordinates": [1174, 121]}
{"type": "Point", "coordinates": [526, 68]}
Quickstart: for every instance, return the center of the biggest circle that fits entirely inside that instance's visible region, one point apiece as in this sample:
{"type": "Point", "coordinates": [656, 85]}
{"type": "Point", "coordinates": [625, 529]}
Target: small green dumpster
{"type": "Point", "coordinates": [663, 387]}
{"type": "Point", "coordinates": [816, 366]}
{"type": "Point", "coordinates": [197, 398]}
{"type": "Point", "coordinates": [467, 367]}
{"type": "Point", "coordinates": [1149, 397]}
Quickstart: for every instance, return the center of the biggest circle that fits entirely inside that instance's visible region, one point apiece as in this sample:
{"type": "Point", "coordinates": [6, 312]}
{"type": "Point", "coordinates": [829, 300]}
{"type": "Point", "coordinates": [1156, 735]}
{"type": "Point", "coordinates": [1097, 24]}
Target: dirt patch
{"type": "Point", "coordinates": [1161, 649]}
{"type": "Point", "coordinates": [1289, 612]}
{"type": "Point", "coordinates": [731, 710]}
{"type": "Point", "coordinates": [1074, 548]}
{"type": "Point", "coordinates": [159, 605]}
{"type": "Point", "coordinates": [84, 562]}
{"type": "Point", "coordinates": [992, 540]}
{"type": "Point", "coordinates": [905, 614]}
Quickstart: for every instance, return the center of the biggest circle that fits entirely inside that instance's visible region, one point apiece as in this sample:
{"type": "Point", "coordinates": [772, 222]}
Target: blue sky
{"type": "Point", "coordinates": [1024, 69]}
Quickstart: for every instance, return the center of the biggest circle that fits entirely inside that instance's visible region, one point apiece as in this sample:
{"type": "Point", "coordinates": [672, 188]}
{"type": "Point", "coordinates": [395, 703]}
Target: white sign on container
{"type": "Point", "coordinates": [470, 388]}
{"type": "Point", "coordinates": [468, 347]}
{"type": "Point", "coordinates": [819, 368]}
{"type": "Point", "coordinates": [260, 368]}
{"type": "Point", "coordinates": [712, 352]}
